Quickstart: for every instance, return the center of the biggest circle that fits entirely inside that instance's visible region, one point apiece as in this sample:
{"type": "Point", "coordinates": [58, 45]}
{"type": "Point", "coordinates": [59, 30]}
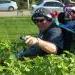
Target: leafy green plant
{"type": "Point", "coordinates": [47, 65]}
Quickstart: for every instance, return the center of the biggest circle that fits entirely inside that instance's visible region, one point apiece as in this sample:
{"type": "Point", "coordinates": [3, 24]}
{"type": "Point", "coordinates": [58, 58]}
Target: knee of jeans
{"type": "Point", "coordinates": [20, 54]}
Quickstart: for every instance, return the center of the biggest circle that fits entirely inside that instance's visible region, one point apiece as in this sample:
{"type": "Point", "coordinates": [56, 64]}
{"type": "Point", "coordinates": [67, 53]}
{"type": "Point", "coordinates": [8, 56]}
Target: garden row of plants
{"type": "Point", "coordinates": [63, 64]}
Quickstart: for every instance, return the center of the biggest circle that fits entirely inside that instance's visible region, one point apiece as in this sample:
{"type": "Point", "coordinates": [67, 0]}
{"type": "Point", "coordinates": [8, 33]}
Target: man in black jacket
{"type": "Point", "coordinates": [50, 39]}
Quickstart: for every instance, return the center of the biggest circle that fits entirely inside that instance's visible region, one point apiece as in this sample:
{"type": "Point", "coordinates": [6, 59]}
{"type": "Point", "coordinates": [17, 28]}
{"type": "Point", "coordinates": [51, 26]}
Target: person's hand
{"type": "Point", "coordinates": [31, 40]}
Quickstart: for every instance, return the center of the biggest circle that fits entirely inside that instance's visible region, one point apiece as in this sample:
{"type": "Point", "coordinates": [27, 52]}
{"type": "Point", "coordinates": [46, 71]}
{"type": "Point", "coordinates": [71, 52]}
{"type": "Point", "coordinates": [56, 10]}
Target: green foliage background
{"type": "Point", "coordinates": [47, 65]}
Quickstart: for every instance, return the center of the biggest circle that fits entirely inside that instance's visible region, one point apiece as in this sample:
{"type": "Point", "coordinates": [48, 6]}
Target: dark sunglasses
{"type": "Point", "coordinates": [38, 20]}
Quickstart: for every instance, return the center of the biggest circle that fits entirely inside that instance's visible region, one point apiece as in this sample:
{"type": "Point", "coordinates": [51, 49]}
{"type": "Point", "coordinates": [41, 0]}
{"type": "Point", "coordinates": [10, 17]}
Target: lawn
{"type": "Point", "coordinates": [12, 28]}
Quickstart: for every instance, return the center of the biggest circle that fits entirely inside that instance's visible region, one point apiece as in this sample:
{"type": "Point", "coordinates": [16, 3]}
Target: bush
{"type": "Point", "coordinates": [47, 65]}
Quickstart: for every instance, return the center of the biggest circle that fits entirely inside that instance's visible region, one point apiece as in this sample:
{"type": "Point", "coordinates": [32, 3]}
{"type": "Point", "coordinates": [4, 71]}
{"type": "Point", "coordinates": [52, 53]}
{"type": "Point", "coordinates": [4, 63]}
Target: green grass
{"type": "Point", "coordinates": [12, 28]}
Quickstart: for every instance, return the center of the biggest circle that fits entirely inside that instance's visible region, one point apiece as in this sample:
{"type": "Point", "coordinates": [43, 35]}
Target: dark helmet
{"type": "Point", "coordinates": [42, 12]}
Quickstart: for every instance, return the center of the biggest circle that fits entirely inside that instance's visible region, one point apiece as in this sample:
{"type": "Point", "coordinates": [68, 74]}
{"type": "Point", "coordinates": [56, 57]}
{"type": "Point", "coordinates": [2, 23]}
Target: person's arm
{"type": "Point", "coordinates": [48, 47]}
{"type": "Point", "coordinates": [53, 43]}
{"type": "Point", "coordinates": [44, 45]}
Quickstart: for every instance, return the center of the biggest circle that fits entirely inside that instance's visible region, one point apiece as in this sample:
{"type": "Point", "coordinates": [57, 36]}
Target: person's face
{"type": "Point", "coordinates": [42, 23]}
{"type": "Point", "coordinates": [73, 15]}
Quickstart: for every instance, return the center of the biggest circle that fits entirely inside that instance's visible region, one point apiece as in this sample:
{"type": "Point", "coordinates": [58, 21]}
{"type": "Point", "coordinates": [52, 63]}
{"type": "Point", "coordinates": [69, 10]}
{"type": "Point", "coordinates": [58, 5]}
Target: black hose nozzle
{"type": "Point", "coordinates": [23, 38]}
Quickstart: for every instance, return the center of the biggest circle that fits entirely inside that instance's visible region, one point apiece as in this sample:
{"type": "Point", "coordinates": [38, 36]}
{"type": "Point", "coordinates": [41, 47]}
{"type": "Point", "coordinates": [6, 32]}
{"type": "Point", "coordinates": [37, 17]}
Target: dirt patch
{"type": "Point", "coordinates": [15, 13]}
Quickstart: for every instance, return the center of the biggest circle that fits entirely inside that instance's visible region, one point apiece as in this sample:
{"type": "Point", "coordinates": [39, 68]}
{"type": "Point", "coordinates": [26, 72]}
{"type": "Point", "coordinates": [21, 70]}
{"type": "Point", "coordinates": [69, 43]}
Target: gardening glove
{"type": "Point", "coordinates": [31, 40]}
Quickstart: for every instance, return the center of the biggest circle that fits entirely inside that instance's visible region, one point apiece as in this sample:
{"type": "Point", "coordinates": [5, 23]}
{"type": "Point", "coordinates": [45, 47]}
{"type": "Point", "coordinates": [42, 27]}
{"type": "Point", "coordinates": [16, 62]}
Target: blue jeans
{"type": "Point", "coordinates": [32, 51]}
